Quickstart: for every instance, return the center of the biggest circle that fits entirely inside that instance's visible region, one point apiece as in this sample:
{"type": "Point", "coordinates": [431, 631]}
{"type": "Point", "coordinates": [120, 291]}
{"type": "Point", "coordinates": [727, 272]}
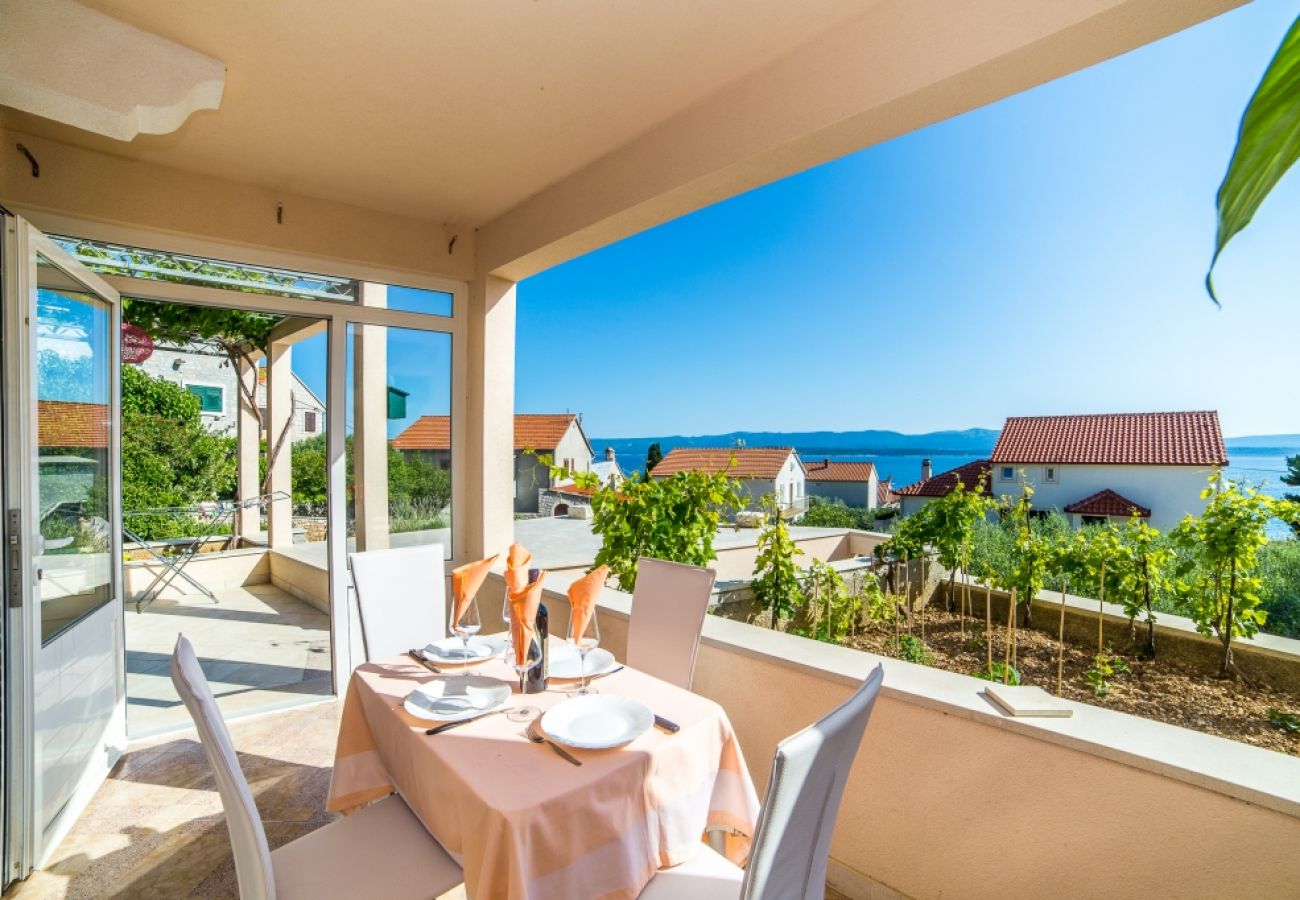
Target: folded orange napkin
{"type": "Point", "coordinates": [582, 600]}
{"type": "Point", "coordinates": [517, 561]}
{"type": "Point", "coordinates": [466, 580]}
{"type": "Point", "coordinates": [523, 617]}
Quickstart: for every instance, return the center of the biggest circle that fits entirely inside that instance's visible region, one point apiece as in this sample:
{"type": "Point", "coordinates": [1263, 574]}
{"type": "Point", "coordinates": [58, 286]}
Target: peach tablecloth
{"type": "Point", "coordinates": [524, 822]}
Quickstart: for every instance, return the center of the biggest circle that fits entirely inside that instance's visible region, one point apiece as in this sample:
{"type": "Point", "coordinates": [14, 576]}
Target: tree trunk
{"type": "Point", "coordinates": [1146, 602]}
{"type": "Point", "coordinates": [1228, 667]}
{"type": "Point", "coordinates": [988, 621]}
{"type": "Point", "coordinates": [1060, 642]}
{"type": "Point", "coordinates": [1101, 611]}
{"type": "Point", "coordinates": [1011, 627]}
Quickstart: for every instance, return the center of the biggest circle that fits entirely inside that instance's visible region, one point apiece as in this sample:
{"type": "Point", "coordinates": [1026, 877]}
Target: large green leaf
{"type": "Point", "coordinates": [1267, 144]}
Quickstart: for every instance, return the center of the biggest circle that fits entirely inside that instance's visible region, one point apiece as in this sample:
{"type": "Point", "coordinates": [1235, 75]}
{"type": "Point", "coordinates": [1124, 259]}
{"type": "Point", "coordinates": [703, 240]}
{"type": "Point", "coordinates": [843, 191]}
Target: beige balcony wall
{"type": "Point", "coordinates": [948, 798]}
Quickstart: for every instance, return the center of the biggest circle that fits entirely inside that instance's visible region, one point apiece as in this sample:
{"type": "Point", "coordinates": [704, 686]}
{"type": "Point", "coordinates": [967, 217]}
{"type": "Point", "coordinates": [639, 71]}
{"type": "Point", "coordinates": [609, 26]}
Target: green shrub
{"type": "Point", "coordinates": [997, 671]}
{"type": "Point", "coordinates": [1279, 593]}
{"type": "Point", "coordinates": [911, 649]}
{"type": "Point", "coordinates": [833, 513]}
{"type": "Point", "coordinates": [674, 519]}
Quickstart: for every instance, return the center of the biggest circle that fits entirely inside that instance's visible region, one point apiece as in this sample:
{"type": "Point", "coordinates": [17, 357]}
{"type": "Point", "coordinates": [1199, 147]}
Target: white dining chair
{"type": "Point", "coordinates": [379, 851]}
{"type": "Point", "coordinates": [793, 838]}
{"type": "Point", "coordinates": [402, 598]}
{"type": "Point", "coordinates": [668, 607]}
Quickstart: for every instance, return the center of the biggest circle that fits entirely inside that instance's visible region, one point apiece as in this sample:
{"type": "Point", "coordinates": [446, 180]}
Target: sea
{"type": "Point", "coordinates": [1261, 467]}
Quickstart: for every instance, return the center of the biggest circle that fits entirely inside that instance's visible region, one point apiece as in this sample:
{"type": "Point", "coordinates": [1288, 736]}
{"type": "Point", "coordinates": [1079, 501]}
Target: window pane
{"type": "Point", "coordinates": [399, 437]}
{"type": "Point", "coordinates": [209, 397]}
{"type": "Point", "coordinates": [435, 303]}
{"type": "Point", "coordinates": [73, 433]}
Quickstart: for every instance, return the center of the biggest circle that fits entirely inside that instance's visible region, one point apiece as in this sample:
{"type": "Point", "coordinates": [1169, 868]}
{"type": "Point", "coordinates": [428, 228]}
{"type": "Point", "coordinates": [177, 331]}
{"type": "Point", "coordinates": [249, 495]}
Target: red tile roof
{"type": "Point", "coordinates": [63, 423]}
{"type": "Point", "coordinates": [885, 493]}
{"type": "Point", "coordinates": [532, 432]}
{"type": "Point", "coordinates": [943, 484]}
{"type": "Point", "coordinates": [1140, 439]}
{"type": "Point", "coordinates": [1108, 503]}
{"type": "Point", "coordinates": [826, 470]}
{"type": "Point", "coordinates": [739, 462]}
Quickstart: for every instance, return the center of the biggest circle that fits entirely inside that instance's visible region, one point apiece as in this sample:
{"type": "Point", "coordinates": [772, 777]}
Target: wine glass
{"type": "Point", "coordinates": [585, 642]}
{"type": "Point", "coordinates": [524, 659]}
{"type": "Point", "coordinates": [466, 627]}
{"type": "Point", "coordinates": [508, 619]}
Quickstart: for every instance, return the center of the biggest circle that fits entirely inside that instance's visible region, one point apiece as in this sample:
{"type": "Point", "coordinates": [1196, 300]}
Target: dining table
{"type": "Point", "coordinates": [523, 821]}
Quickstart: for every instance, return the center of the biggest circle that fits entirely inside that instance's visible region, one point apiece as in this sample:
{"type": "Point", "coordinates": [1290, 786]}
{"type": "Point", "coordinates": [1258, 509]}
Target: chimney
{"type": "Point", "coordinates": [609, 454]}
{"type": "Point", "coordinates": [826, 462]}
{"type": "Point", "coordinates": [927, 469]}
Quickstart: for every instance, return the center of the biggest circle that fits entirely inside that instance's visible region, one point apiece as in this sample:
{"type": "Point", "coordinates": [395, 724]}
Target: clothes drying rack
{"type": "Point", "coordinates": [210, 517]}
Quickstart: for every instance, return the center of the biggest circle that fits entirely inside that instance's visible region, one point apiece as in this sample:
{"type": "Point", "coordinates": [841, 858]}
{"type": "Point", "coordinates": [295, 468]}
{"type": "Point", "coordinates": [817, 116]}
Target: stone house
{"type": "Point", "coordinates": [203, 370]}
{"type": "Point", "coordinates": [558, 436]}
{"type": "Point", "coordinates": [760, 470]}
{"type": "Point", "coordinates": [852, 483]}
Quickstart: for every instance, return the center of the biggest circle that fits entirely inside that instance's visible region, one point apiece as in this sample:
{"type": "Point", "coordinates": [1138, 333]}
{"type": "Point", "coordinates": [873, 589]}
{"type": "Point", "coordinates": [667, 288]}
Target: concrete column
{"type": "Point", "coordinates": [248, 521]}
{"type": "Point", "coordinates": [488, 465]}
{"type": "Point", "coordinates": [279, 408]}
{"type": "Point", "coordinates": [370, 426]}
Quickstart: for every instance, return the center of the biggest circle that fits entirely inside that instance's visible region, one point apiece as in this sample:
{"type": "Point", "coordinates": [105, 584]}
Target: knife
{"type": "Point", "coordinates": [667, 725]}
{"type": "Point", "coordinates": [419, 657]}
{"type": "Point", "coordinates": [438, 729]}
{"type": "Point", "coordinates": [606, 674]}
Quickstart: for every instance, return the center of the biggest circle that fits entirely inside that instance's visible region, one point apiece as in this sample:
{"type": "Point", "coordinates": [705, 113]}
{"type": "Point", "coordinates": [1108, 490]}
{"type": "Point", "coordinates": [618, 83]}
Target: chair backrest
{"type": "Point", "coordinates": [668, 608]}
{"type": "Point", "coordinates": [247, 837]}
{"type": "Point", "coordinates": [793, 837]}
{"type": "Point", "coordinates": [402, 598]}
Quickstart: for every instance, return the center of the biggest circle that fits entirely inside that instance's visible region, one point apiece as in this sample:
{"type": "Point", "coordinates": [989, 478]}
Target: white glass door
{"type": "Point", "coordinates": [65, 716]}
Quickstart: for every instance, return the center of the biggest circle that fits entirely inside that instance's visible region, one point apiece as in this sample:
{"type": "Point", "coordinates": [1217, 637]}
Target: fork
{"type": "Point", "coordinates": [538, 738]}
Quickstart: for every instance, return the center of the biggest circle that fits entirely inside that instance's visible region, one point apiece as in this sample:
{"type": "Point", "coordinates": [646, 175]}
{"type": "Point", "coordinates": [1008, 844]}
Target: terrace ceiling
{"type": "Point", "coordinates": [555, 126]}
{"type": "Point", "coordinates": [449, 111]}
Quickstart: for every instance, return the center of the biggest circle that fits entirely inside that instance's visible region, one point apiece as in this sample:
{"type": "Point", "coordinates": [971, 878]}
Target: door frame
{"type": "Point", "coordinates": [338, 314]}
{"type": "Point", "coordinates": [27, 840]}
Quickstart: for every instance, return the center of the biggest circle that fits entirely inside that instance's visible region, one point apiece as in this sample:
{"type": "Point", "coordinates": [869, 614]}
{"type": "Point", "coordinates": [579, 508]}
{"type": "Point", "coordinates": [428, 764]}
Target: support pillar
{"type": "Point", "coordinates": [370, 426]}
{"type": "Point", "coordinates": [248, 520]}
{"type": "Point", "coordinates": [279, 415]}
{"type": "Point", "coordinates": [488, 467]}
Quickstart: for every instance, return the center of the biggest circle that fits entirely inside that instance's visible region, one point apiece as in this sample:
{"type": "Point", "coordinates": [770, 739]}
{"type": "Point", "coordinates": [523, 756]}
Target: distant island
{"type": "Point", "coordinates": [810, 443]}
{"type": "Point", "coordinates": [898, 455]}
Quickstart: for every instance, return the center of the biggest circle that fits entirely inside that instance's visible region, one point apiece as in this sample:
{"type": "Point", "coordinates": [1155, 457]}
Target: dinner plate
{"type": "Point", "coordinates": [597, 721]}
{"type": "Point", "coordinates": [452, 650]}
{"type": "Point", "coordinates": [566, 663]}
{"type": "Point", "coordinates": [456, 697]}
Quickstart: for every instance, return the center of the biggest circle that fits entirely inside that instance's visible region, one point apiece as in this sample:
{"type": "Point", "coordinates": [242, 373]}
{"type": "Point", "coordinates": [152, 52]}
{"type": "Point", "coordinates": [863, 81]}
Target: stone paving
{"type": "Point", "coordinates": [260, 648]}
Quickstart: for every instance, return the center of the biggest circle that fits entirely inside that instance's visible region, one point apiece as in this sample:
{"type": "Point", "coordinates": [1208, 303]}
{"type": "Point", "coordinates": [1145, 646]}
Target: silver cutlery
{"type": "Point", "coordinates": [667, 725]}
{"type": "Point", "coordinates": [419, 657]}
{"type": "Point", "coordinates": [606, 674]}
{"type": "Point", "coordinates": [439, 729]}
{"type": "Point", "coordinates": [535, 735]}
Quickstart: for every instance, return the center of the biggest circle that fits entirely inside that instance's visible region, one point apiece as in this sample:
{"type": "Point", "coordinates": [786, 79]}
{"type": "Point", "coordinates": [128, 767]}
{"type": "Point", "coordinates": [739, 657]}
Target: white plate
{"type": "Point", "coordinates": [597, 721]}
{"type": "Point", "coordinates": [455, 698]}
{"type": "Point", "coordinates": [565, 662]}
{"type": "Point", "coordinates": [452, 650]}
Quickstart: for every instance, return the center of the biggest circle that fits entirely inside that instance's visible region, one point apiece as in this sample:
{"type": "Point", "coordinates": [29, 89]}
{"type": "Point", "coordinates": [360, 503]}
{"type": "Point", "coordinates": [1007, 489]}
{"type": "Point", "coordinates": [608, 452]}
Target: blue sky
{"type": "Point", "coordinates": [1044, 254]}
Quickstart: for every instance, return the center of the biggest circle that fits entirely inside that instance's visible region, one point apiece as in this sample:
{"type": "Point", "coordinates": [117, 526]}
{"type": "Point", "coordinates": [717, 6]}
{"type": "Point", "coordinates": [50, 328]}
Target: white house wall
{"type": "Point", "coordinates": [851, 493]}
{"type": "Point", "coordinates": [1170, 492]}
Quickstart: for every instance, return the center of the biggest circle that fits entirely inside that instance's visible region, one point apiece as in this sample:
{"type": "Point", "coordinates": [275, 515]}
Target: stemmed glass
{"type": "Point", "coordinates": [586, 642]}
{"type": "Point", "coordinates": [506, 617]}
{"type": "Point", "coordinates": [523, 660]}
{"type": "Point", "coordinates": [466, 627]}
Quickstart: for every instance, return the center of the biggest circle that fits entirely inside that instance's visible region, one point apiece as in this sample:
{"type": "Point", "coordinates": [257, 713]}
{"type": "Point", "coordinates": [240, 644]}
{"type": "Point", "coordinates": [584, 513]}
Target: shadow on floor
{"type": "Point", "coordinates": [190, 858]}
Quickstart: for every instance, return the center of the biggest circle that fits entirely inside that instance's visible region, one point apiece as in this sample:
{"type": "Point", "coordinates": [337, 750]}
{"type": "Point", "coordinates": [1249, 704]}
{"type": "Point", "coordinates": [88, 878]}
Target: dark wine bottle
{"type": "Point", "coordinates": [539, 675]}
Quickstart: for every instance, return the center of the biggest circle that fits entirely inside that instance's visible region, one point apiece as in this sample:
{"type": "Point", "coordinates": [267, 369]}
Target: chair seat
{"type": "Point", "coordinates": [380, 851]}
{"type": "Point", "coordinates": [708, 875]}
